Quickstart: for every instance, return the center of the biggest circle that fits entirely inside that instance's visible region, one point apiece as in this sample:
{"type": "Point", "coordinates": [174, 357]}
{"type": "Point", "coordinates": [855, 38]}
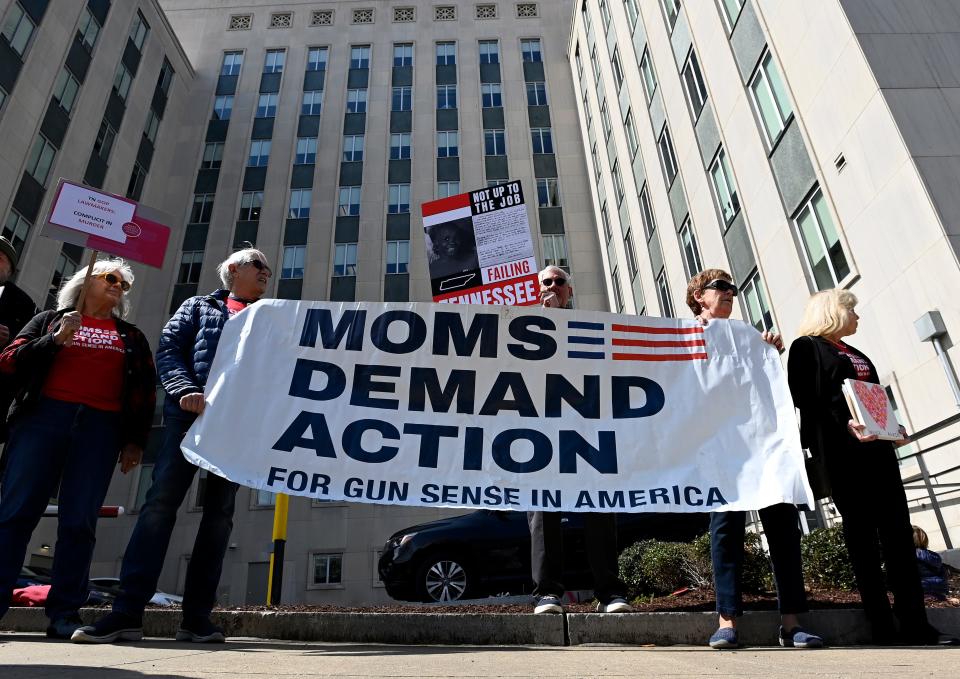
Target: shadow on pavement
{"type": "Point", "coordinates": [73, 671]}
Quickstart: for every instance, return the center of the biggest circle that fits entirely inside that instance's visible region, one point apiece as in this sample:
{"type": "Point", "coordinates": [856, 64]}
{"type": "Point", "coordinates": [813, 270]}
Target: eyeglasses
{"type": "Point", "coordinates": [547, 282]}
{"type": "Point", "coordinates": [260, 266]}
{"type": "Point", "coordinates": [113, 279]}
{"type": "Point", "coordinates": [721, 285]}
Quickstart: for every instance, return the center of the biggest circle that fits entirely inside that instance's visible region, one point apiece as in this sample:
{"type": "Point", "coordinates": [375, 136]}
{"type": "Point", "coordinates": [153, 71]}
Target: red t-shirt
{"type": "Point", "coordinates": [235, 306]}
{"type": "Point", "coordinates": [861, 367]}
{"type": "Point", "coordinates": [89, 371]}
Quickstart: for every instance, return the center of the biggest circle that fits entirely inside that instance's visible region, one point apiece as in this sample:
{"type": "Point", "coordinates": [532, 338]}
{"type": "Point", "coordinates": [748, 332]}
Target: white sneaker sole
{"type": "Point", "coordinates": [617, 608]}
{"type": "Point", "coordinates": [130, 634]}
{"type": "Point", "coordinates": [547, 608]}
{"type": "Point", "coordinates": [187, 635]}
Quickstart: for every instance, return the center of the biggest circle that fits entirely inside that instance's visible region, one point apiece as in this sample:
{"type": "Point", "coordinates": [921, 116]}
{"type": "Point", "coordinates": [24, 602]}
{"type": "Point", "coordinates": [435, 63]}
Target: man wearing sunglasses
{"type": "Point", "coordinates": [546, 535]}
{"type": "Point", "coordinates": [187, 346]}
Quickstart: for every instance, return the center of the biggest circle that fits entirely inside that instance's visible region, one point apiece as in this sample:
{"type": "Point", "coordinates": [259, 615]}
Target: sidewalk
{"type": "Point", "coordinates": [31, 656]}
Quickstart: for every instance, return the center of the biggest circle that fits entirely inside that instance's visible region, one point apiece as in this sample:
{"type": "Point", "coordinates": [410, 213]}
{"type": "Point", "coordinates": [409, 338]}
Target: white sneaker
{"type": "Point", "coordinates": [615, 605]}
{"type": "Point", "coordinates": [548, 604]}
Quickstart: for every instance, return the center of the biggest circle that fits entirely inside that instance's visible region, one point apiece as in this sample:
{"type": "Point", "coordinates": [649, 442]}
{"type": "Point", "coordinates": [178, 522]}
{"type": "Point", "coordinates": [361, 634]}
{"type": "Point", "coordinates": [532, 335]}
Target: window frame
{"type": "Point", "coordinates": [671, 156]}
{"type": "Point", "coordinates": [694, 86]}
{"type": "Point", "coordinates": [350, 147]}
{"type": "Point", "coordinates": [12, 34]}
{"type": "Point", "coordinates": [309, 155]}
{"type": "Point", "coordinates": [399, 136]}
{"type": "Point", "coordinates": [404, 58]}
{"type": "Point", "coordinates": [357, 98]}
{"type": "Point", "coordinates": [541, 140]}
{"type": "Point", "coordinates": [405, 102]}
{"type": "Point", "coordinates": [359, 57]}
{"type": "Point", "coordinates": [301, 211]}
{"type": "Point", "coordinates": [718, 171]}
{"type": "Point", "coordinates": [397, 257]}
{"type": "Point", "coordinates": [499, 138]}
{"type": "Point", "coordinates": [489, 56]}
{"type": "Point", "coordinates": [268, 110]}
{"type": "Point", "coordinates": [274, 60]}
{"type": "Point", "coordinates": [298, 255]}
{"type": "Point", "coordinates": [495, 95]}
{"type": "Point", "coordinates": [548, 192]}
{"type": "Point", "coordinates": [251, 206]}
{"type": "Point", "coordinates": [531, 50]}
{"type": "Point", "coordinates": [539, 90]}
{"type": "Point", "coordinates": [689, 250]}
{"type": "Point", "coordinates": [345, 265]}
{"type": "Point", "coordinates": [353, 208]}
{"type": "Point", "coordinates": [316, 100]}
{"type": "Point", "coordinates": [319, 64]}
{"type": "Point", "coordinates": [42, 154]}
{"type": "Point", "coordinates": [443, 97]}
{"type": "Point", "coordinates": [761, 73]}
{"type": "Point", "coordinates": [222, 104]}
{"type": "Point", "coordinates": [809, 205]}
{"type": "Point", "coordinates": [648, 76]}
{"type": "Point", "coordinates": [262, 159]}
{"type": "Point", "coordinates": [215, 160]}
{"type": "Point", "coordinates": [449, 53]}
{"type": "Point", "coordinates": [444, 146]}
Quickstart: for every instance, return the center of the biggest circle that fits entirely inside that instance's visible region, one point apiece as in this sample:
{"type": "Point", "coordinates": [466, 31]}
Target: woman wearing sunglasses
{"type": "Point", "coordinates": [85, 401]}
{"type": "Point", "coordinates": [710, 296]}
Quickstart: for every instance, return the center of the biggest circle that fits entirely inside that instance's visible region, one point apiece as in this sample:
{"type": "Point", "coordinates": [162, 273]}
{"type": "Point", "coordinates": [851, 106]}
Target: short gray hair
{"type": "Point", "coordinates": [239, 258]}
{"type": "Point", "coordinates": [553, 267]}
{"type": "Point", "coordinates": [70, 291]}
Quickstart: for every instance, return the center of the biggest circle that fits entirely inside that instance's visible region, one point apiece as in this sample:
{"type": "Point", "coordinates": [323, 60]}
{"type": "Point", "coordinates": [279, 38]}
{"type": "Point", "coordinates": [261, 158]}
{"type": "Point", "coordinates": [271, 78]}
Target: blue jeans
{"type": "Point", "coordinates": [77, 446]}
{"type": "Point", "coordinates": [781, 525]}
{"type": "Point", "coordinates": [143, 559]}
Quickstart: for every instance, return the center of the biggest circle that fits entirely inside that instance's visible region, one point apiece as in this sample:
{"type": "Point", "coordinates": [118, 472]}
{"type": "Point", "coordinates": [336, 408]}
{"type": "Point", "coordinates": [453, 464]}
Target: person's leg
{"type": "Point", "coordinates": [781, 525]}
{"type": "Point", "coordinates": [92, 456]}
{"type": "Point", "coordinates": [35, 455]}
{"type": "Point", "coordinates": [600, 532]}
{"type": "Point", "coordinates": [546, 553]}
{"type": "Point", "coordinates": [213, 537]}
{"type": "Point", "coordinates": [726, 550]}
{"type": "Point", "coordinates": [147, 549]}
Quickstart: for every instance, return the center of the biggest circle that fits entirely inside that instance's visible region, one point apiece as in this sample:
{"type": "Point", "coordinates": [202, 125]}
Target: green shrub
{"type": "Point", "coordinates": [825, 559]}
{"type": "Point", "coordinates": [757, 575]}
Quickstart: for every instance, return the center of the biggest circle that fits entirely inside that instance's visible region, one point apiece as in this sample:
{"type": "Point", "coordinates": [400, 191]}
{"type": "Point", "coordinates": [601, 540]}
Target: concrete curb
{"type": "Point", "coordinates": [844, 627]}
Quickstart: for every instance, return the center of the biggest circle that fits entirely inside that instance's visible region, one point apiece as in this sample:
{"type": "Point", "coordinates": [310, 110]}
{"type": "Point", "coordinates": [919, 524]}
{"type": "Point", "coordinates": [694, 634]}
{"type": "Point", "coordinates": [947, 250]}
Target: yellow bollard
{"type": "Point", "coordinates": [275, 580]}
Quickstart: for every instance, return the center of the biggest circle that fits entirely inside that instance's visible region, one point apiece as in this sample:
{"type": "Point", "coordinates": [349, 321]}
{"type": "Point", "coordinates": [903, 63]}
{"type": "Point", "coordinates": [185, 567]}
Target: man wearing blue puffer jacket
{"type": "Point", "coordinates": [187, 346]}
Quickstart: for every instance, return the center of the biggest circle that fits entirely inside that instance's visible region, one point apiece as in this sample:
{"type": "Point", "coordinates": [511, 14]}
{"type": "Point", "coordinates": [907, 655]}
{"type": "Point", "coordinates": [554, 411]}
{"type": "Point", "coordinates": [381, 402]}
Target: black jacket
{"type": "Point", "coordinates": [16, 309]}
{"type": "Point", "coordinates": [29, 357]}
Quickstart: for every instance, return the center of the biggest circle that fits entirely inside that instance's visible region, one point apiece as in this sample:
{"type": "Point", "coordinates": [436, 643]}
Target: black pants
{"type": "Point", "coordinates": [546, 554]}
{"type": "Point", "coordinates": [877, 529]}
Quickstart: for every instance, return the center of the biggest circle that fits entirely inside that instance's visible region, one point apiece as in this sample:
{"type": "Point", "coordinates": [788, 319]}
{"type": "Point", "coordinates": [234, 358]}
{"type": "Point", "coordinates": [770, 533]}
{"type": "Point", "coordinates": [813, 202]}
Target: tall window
{"type": "Point", "coordinates": [690, 251]}
{"type": "Point", "coordinates": [693, 85]}
{"type": "Point", "coordinates": [103, 144]}
{"type": "Point", "coordinates": [122, 80]}
{"type": "Point", "coordinates": [202, 208]}
{"type": "Point", "coordinates": [88, 29]}
{"type": "Point", "coordinates": [274, 60]}
{"type": "Point", "coordinates": [446, 96]}
{"type": "Point", "coordinates": [400, 146]}
{"type": "Point", "coordinates": [731, 12]}
{"type": "Point", "coordinates": [40, 159]}
{"type": "Point", "coordinates": [446, 53]}
{"type": "Point", "coordinates": [65, 89]}
{"type": "Point", "coordinates": [755, 300]}
{"type": "Point", "coordinates": [15, 230]}
{"type": "Point", "coordinates": [491, 95]}
{"type": "Point", "coordinates": [353, 148]}
{"type": "Point", "coordinates": [489, 52]}
{"type": "Point", "coordinates": [648, 76]}
{"type": "Point", "coordinates": [222, 107]}
{"type": "Point", "coordinates": [631, 130]}
{"type": "Point", "coordinates": [448, 144]}
{"type": "Point", "coordinates": [631, 251]}
{"type": "Point", "coordinates": [259, 153]}
{"type": "Point", "coordinates": [494, 143]}
{"type": "Point", "coordinates": [536, 94]}
{"type": "Point", "coordinates": [668, 160]}
{"type": "Point", "coordinates": [398, 256]}
{"type": "Point", "coordinates": [360, 56]}
{"type": "Point", "coordinates": [312, 102]}
{"type": "Point", "coordinates": [402, 99]}
{"type": "Point", "coordinates": [617, 289]}
{"type": "Point", "coordinates": [299, 203]}
{"type": "Point", "coordinates": [18, 28]}
{"type": "Point", "coordinates": [399, 199]}
{"type": "Point", "coordinates": [595, 63]}
{"type": "Point", "coordinates": [530, 49]}
{"type": "Point", "coordinates": [327, 569]}
{"type": "Point", "coordinates": [165, 78]}
{"type": "Point", "coordinates": [770, 98]}
{"type": "Point", "coordinates": [293, 259]}
{"type": "Point", "coordinates": [821, 243]}
{"type": "Point", "coordinates": [555, 251]}
{"type": "Point", "coordinates": [646, 213]}
{"type": "Point", "coordinates": [605, 120]}
{"type": "Point", "coordinates": [403, 54]}
{"type": "Point", "coordinates": [139, 30]}
{"type": "Point", "coordinates": [542, 138]}
{"type": "Point", "coordinates": [306, 151]}
{"type": "Point", "coordinates": [548, 192]}
{"type": "Point", "coordinates": [605, 222]}
{"type": "Point", "coordinates": [232, 63]}
{"type": "Point", "coordinates": [317, 59]}
{"type": "Point", "coordinates": [725, 190]}
{"type": "Point", "coordinates": [617, 66]}
{"type": "Point", "coordinates": [663, 295]}
{"type": "Point", "coordinates": [357, 100]}
{"type": "Point", "coordinates": [190, 263]}
{"type": "Point", "coordinates": [632, 11]}
{"type": "Point", "coordinates": [151, 126]}
{"type": "Point", "coordinates": [447, 189]}
{"type": "Point", "coordinates": [617, 181]}
{"type": "Point", "coordinates": [348, 201]}
{"type": "Point", "coordinates": [345, 259]}
{"type": "Point", "coordinates": [605, 14]}
{"type": "Point", "coordinates": [267, 105]}
{"type": "Point", "coordinates": [251, 203]}
{"type": "Point", "coordinates": [212, 156]}
{"type": "Point", "coordinates": [671, 9]}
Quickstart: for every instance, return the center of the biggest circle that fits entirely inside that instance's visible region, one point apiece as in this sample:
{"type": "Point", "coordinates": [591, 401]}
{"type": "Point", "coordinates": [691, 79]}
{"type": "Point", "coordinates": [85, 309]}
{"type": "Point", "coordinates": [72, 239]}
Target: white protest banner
{"type": "Point", "coordinates": [479, 248]}
{"type": "Point", "coordinates": [93, 212]}
{"type": "Point", "coordinates": [499, 407]}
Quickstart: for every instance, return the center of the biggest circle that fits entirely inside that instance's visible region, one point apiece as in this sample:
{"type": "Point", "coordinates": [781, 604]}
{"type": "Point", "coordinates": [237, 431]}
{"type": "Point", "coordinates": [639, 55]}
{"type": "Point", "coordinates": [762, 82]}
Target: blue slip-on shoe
{"type": "Point", "coordinates": [724, 637]}
{"type": "Point", "coordinates": [63, 628]}
{"type": "Point", "coordinates": [112, 627]}
{"type": "Point", "coordinates": [799, 638]}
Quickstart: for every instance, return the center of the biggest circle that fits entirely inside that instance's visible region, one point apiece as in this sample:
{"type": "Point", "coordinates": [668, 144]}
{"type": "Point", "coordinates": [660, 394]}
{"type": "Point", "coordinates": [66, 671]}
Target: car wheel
{"type": "Point", "coordinates": [443, 577]}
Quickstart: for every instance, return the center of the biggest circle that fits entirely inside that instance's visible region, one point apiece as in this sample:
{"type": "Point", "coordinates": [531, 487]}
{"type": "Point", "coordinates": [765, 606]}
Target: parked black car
{"type": "Point", "coordinates": [488, 552]}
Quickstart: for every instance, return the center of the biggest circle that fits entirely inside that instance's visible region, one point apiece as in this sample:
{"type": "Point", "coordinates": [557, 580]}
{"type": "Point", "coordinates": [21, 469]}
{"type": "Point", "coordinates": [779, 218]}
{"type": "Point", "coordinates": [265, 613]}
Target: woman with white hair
{"type": "Point", "coordinates": [85, 401]}
{"type": "Point", "coordinates": [863, 471]}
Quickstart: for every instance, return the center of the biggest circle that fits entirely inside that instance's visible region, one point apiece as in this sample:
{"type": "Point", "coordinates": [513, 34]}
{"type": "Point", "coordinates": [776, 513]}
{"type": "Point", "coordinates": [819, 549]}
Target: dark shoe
{"type": "Point", "coordinates": [724, 637]}
{"type": "Point", "coordinates": [548, 604]}
{"type": "Point", "coordinates": [930, 636]}
{"type": "Point", "coordinates": [799, 638]}
{"type": "Point", "coordinates": [200, 631]}
{"type": "Point", "coordinates": [616, 605]}
{"type": "Point", "coordinates": [63, 628]}
{"type": "Point", "coordinates": [112, 627]}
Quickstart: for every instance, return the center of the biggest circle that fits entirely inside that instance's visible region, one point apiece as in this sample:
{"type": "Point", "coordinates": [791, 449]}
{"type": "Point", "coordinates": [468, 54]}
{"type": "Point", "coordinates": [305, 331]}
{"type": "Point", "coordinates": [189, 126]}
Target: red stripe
{"type": "Point", "coordinates": [658, 343]}
{"type": "Point", "coordinates": [445, 204]}
{"type": "Point", "coordinates": [659, 357]}
{"type": "Point", "coordinates": [651, 330]}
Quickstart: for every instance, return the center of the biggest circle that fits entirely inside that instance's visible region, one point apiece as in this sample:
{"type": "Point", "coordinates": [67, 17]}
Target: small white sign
{"type": "Point", "coordinates": [871, 408]}
{"type": "Point", "coordinates": [99, 214]}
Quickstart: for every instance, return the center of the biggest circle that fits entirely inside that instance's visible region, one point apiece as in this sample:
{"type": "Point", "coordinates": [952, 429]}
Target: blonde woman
{"type": "Point", "coordinates": [862, 470]}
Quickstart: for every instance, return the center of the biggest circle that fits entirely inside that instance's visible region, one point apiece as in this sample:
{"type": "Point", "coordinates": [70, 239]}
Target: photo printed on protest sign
{"type": "Point", "coordinates": [479, 248]}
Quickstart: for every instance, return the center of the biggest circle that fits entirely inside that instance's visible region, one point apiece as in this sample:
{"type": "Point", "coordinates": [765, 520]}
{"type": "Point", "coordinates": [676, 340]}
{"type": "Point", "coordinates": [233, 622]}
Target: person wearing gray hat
{"type": "Point", "coordinates": [16, 308]}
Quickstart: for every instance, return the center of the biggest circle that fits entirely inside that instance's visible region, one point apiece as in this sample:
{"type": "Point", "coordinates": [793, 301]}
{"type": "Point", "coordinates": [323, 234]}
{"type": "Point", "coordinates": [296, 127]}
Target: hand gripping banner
{"type": "Point", "coordinates": [499, 407]}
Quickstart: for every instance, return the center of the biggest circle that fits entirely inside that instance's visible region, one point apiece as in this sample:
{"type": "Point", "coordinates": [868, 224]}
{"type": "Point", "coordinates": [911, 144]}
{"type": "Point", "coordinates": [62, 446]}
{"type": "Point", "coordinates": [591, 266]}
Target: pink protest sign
{"type": "Point", "coordinates": [109, 223]}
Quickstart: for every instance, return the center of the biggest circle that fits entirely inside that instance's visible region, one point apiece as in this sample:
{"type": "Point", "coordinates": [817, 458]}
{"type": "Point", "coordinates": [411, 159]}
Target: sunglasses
{"type": "Point", "coordinates": [260, 266]}
{"type": "Point", "coordinates": [559, 282]}
{"type": "Point", "coordinates": [721, 285]}
{"type": "Point", "coordinates": [113, 279]}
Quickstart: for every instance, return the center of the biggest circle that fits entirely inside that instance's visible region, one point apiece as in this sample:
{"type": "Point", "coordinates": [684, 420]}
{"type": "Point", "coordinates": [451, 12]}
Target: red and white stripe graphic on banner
{"type": "Point", "coordinates": [446, 209]}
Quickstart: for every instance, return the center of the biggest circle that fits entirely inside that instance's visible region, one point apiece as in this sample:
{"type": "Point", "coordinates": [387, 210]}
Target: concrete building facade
{"type": "Point", "coordinates": [315, 131]}
{"type": "Point", "coordinates": [800, 146]}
